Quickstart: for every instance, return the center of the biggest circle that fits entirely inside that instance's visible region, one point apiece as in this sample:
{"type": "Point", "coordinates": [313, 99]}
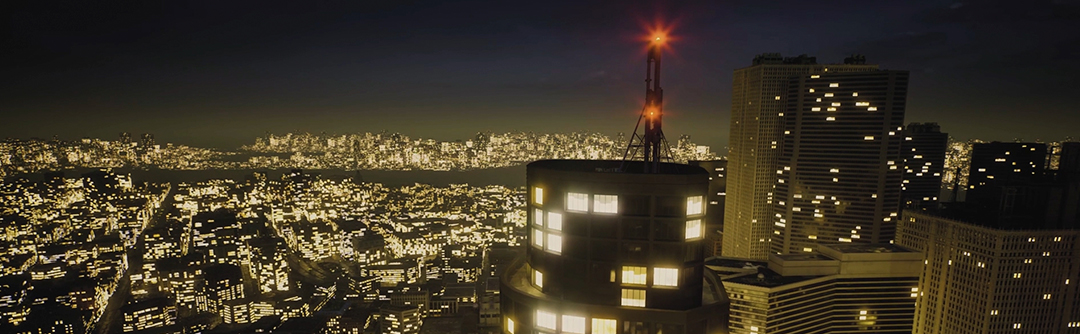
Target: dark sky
{"type": "Point", "coordinates": [219, 73]}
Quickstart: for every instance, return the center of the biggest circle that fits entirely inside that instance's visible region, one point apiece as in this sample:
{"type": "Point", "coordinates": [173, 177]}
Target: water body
{"type": "Point", "coordinates": [506, 176]}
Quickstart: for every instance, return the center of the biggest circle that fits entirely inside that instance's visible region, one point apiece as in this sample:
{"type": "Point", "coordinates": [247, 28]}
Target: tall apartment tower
{"type": "Point", "coordinates": [985, 279]}
{"type": "Point", "coordinates": [840, 170]}
{"type": "Point", "coordinates": [613, 249]}
{"type": "Point", "coordinates": [924, 164]}
{"type": "Point", "coordinates": [756, 105]}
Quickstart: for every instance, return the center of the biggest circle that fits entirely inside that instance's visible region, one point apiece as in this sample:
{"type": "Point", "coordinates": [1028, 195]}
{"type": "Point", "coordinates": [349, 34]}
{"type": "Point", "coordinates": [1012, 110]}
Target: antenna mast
{"type": "Point", "coordinates": [650, 146]}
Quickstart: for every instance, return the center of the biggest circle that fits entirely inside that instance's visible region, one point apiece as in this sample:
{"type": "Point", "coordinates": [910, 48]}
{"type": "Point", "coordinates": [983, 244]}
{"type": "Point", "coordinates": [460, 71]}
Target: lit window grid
{"type": "Point", "coordinates": [634, 275]}
{"type": "Point", "coordinates": [606, 203]}
{"type": "Point", "coordinates": [633, 297]}
{"type": "Point", "coordinates": [695, 205]}
{"type": "Point", "coordinates": [573, 324]}
{"type": "Point", "coordinates": [666, 277]}
{"type": "Point", "coordinates": [577, 202]}
{"type": "Point", "coordinates": [694, 230]}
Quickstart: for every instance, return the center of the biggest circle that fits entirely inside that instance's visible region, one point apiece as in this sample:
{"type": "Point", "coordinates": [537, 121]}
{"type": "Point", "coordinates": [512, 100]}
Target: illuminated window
{"type": "Point", "coordinates": [871, 109]}
{"type": "Point", "coordinates": [554, 243]}
{"type": "Point", "coordinates": [811, 90]}
{"type": "Point", "coordinates": [868, 138]}
{"type": "Point", "coordinates": [855, 94]}
{"type": "Point", "coordinates": [604, 326]}
{"type": "Point", "coordinates": [633, 275]}
{"type": "Point", "coordinates": [836, 104]}
{"type": "Point", "coordinates": [633, 297]}
{"type": "Point", "coordinates": [694, 205]}
{"type": "Point", "coordinates": [554, 221]}
{"type": "Point", "coordinates": [577, 202]}
{"type": "Point", "coordinates": [510, 325]}
{"type": "Point", "coordinates": [606, 203]}
{"type": "Point", "coordinates": [1017, 275]}
{"type": "Point", "coordinates": [538, 278]}
{"type": "Point", "coordinates": [538, 217]}
{"type": "Point", "coordinates": [778, 97]}
{"type": "Point", "coordinates": [815, 109]}
{"type": "Point", "coordinates": [834, 84]}
{"type": "Point", "coordinates": [815, 76]}
{"type": "Point", "coordinates": [538, 238]}
{"type": "Point", "coordinates": [545, 319]}
{"type": "Point", "coordinates": [862, 104]}
{"type": "Point", "coordinates": [693, 229]}
{"type": "Point", "coordinates": [830, 118]}
{"type": "Point", "coordinates": [666, 276]}
{"type": "Point", "coordinates": [573, 324]}
{"type": "Point", "coordinates": [538, 195]}
{"type": "Point", "coordinates": [828, 95]}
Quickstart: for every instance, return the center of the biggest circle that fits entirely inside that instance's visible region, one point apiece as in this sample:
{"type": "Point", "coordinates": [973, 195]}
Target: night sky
{"type": "Point", "coordinates": [219, 73]}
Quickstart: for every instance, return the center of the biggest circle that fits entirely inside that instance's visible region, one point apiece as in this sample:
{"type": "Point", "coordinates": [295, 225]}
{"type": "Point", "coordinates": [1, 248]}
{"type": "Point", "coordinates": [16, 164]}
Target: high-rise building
{"type": "Point", "coordinates": [846, 288]}
{"type": "Point", "coordinates": [612, 249]}
{"type": "Point", "coordinates": [923, 152]}
{"type": "Point", "coordinates": [150, 313]}
{"type": "Point", "coordinates": [756, 105]}
{"type": "Point", "coordinates": [999, 163]}
{"type": "Point", "coordinates": [714, 214]}
{"type": "Point", "coordinates": [985, 279]}
{"type": "Point", "coordinates": [839, 171]}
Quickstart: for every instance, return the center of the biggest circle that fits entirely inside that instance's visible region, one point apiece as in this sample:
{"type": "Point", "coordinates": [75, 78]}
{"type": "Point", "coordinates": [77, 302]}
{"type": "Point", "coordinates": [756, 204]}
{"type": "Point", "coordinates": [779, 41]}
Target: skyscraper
{"type": "Point", "coordinates": [997, 163]}
{"type": "Point", "coordinates": [983, 279]}
{"type": "Point", "coordinates": [613, 249]}
{"type": "Point", "coordinates": [839, 172]}
{"type": "Point", "coordinates": [756, 104]}
{"type": "Point", "coordinates": [846, 288]}
{"type": "Point", "coordinates": [923, 152]}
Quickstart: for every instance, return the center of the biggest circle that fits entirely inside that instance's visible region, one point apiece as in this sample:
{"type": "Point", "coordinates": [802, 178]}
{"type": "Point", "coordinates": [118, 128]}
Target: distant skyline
{"type": "Point", "coordinates": [219, 74]}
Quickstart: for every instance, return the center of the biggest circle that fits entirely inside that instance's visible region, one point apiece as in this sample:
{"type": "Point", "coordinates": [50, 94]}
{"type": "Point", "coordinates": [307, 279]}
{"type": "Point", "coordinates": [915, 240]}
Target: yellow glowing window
{"type": "Point", "coordinates": [855, 94]}
{"type": "Point", "coordinates": [604, 326]}
{"type": "Point", "coordinates": [538, 217]}
{"type": "Point", "coordinates": [538, 238]}
{"type": "Point", "coordinates": [666, 276]}
{"type": "Point", "coordinates": [811, 90]}
{"type": "Point", "coordinates": [577, 202]}
{"type": "Point", "coordinates": [633, 275]}
{"type": "Point", "coordinates": [538, 278]}
{"type": "Point", "coordinates": [693, 229]}
{"type": "Point", "coordinates": [830, 119]}
{"type": "Point", "coordinates": [554, 221]}
{"type": "Point", "coordinates": [538, 195]}
{"type": "Point", "coordinates": [834, 85]}
{"type": "Point", "coordinates": [871, 109]}
{"type": "Point", "coordinates": [695, 205]}
{"type": "Point", "coordinates": [554, 243]}
{"type": "Point", "coordinates": [573, 324]}
{"type": "Point", "coordinates": [831, 109]}
{"type": "Point", "coordinates": [862, 104]}
{"type": "Point", "coordinates": [868, 138]}
{"type": "Point", "coordinates": [510, 325]}
{"type": "Point", "coordinates": [545, 319]}
{"type": "Point", "coordinates": [836, 104]}
{"type": "Point", "coordinates": [815, 76]}
{"type": "Point", "coordinates": [778, 97]}
{"type": "Point", "coordinates": [606, 203]}
{"type": "Point", "coordinates": [633, 297]}
{"type": "Point", "coordinates": [828, 94]}
{"type": "Point", "coordinates": [815, 109]}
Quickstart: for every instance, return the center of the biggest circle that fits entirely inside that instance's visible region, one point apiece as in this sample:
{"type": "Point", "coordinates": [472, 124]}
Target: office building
{"type": "Point", "coordinates": [846, 288]}
{"type": "Point", "coordinates": [981, 278]}
{"type": "Point", "coordinates": [714, 214]}
{"type": "Point", "coordinates": [756, 104]}
{"type": "Point", "coordinates": [400, 319]}
{"type": "Point", "coordinates": [923, 152]}
{"type": "Point", "coordinates": [612, 249]}
{"type": "Point", "coordinates": [150, 313]}
{"type": "Point", "coordinates": [999, 163]}
{"type": "Point", "coordinates": [840, 170]}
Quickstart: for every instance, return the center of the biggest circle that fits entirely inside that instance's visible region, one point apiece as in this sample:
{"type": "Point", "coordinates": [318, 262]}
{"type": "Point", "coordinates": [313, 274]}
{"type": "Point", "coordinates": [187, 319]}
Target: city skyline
{"type": "Point", "coordinates": [468, 167]}
{"type": "Point", "coordinates": [215, 75]}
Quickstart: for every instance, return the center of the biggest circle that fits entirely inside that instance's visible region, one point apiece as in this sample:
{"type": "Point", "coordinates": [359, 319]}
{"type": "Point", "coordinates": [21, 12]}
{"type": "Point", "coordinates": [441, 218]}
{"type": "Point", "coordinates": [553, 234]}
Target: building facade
{"type": "Point", "coordinates": [980, 279]}
{"type": "Point", "coordinates": [839, 171]}
{"type": "Point", "coordinates": [756, 103]}
{"type": "Point", "coordinates": [612, 250]}
{"type": "Point", "coordinates": [924, 164]}
{"type": "Point", "coordinates": [714, 213]}
{"type": "Point", "coordinates": [997, 163]}
{"type": "Point", "coordinates": [848, 288]}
